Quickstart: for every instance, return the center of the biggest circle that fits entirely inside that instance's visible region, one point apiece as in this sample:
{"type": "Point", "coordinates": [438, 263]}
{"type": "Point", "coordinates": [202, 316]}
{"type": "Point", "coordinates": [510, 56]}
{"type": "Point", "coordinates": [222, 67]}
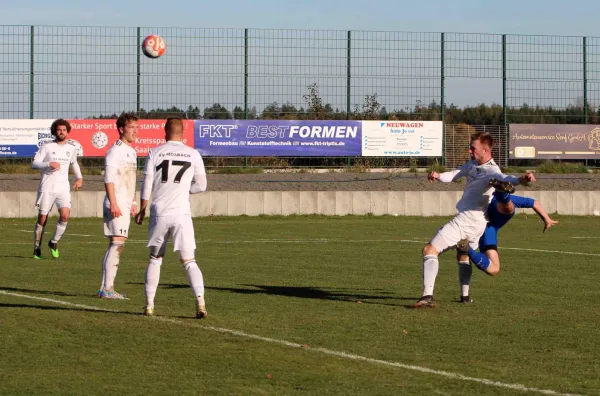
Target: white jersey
{"type": "Point", "coordinates": [171, 168]}
{"type": "Point", "coordinates": [56, 180]}
{"type": "Point", "coordinates": [478, 193]}
{"type": "Point", "coordinates": [120, 168]}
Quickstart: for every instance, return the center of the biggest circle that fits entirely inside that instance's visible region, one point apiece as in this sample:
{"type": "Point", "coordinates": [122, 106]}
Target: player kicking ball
{"type": "Point", "coordinates": [120, 168]}
{"type": "Point", "coordinates": [500, 211]}
{"type": "Point", "coordinates": [53, 160]}
{"type": "Point", "coordinates": [172, 172]}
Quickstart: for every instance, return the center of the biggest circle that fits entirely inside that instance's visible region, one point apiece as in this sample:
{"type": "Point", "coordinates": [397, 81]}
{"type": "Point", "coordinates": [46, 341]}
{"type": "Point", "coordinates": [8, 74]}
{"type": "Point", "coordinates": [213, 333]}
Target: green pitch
{"type": "Point", "coordinates": [302, 305]}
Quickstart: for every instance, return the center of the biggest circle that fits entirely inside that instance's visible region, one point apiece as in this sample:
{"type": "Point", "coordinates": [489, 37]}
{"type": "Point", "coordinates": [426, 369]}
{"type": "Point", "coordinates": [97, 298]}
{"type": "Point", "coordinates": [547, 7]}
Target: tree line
{"type": "Point", "coordinates": [371, 109]}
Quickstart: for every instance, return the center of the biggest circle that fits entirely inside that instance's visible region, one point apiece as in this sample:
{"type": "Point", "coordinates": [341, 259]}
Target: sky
{"type": "Point", "coordinates": [404, 75]}
{"type": "Point", "coordinates": [548, 17]}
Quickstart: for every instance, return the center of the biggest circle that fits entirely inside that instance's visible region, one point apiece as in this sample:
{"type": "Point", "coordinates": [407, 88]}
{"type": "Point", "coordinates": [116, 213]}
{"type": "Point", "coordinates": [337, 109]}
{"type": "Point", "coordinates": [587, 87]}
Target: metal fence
{"type": "Point", "coordinates": [477, 79]}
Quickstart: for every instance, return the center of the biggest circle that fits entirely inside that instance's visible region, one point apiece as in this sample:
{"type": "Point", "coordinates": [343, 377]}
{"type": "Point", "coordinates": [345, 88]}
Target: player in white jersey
{"type": "Point", "coordinates": [471, 219]}
{"type": "Point", "coordinates": [53, 160]}
{"type": "Point", "coordinates": [120, 168]}
{"type": "Point", "coordinates": [172, 172]}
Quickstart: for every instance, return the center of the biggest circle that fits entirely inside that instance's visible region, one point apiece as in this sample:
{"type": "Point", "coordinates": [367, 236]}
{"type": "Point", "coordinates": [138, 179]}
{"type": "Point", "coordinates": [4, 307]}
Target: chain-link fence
{"type": "Point", "coordinates": [480, 80]}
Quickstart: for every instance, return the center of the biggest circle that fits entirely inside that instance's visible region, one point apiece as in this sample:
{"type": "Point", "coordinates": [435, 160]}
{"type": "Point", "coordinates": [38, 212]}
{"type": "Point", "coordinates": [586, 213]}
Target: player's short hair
{"type": "Point", "coordinates": [484, 138]}
{"type": "Point", "coordinates": [171, 122]}
{"type": "Point", "coordinates": [124, 119]}
{"type": "Point", "coordinates": [57, 123]}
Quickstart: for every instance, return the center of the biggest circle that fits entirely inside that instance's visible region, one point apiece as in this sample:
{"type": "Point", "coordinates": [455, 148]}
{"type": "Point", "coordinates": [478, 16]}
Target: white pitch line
{"type": "Point", "coordinates": [82, 235]}
{"type": "Point", "coordinates": [325, 240]}
{"type": "Point", "coordinates": [330, 352]}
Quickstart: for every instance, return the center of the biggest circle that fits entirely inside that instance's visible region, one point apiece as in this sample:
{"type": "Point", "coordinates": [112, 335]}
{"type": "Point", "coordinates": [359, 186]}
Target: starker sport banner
{"type": "Point", "coordinates": [279, 138]}
{"type": "Point", "coordinates": [22, 138]}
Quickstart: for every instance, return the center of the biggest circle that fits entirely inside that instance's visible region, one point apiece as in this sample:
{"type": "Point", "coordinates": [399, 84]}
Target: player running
{"type": "Point", "coordinates": [53, 160]}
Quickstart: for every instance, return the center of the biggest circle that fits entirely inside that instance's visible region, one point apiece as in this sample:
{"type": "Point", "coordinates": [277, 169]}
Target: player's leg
{"type": "Point", "coordinates": [184, 242]}
{"type": "Point", "coordinates": [465, 271]}
{"type": "Point", "coordinates": [158, 236]}
{"type": "Point", "coordinates": [152, 276]}
{"type": "Point", "coordinates": [116, 230]}
{"type": "Point", "coordinates": [61, 226]}
{"type": "Point", "coordinates": [446, 237]}
{"type": "Point", "coordinates": [492, 253]}
{"type": "Point", "coordinates": [43, 204]}
{"type": "Point", "coordinates": [473, 227]}
{"type": "Point", "coordinates": [481, 259]}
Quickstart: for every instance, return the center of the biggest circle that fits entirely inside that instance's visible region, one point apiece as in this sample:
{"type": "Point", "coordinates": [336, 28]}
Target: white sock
{"type": "Point", "coordinates": [465, 270]}
{"type": "Point", "coordinates": [38, 233]}
{"type": "Point", "coordinates": [152, 279]}
{"type": "Point", "coordinates": [195, 277]}
{"type": "Point", "coordinates": [59, 231]}
{"type": "Point", "coordinates": [103, 271]}
{"type": "Point", "coordinates": [111, 264]}
{"type": "Point", "coordinates": [430, 271]}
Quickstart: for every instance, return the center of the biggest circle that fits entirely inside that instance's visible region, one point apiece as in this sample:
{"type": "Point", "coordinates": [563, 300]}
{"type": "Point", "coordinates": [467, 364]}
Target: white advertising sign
{"type": "Point", "coordinates": [402, 138]}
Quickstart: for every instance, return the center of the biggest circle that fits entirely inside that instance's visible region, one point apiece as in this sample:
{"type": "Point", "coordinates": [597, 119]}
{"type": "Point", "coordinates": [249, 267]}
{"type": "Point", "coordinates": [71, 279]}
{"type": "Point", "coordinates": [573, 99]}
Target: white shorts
{"type": "Point", "coordinates": [179, 228]}
{"type": "Point", "coordinates": [116, 226]}
{"type": "Point", "coordinates": [45, 201]}
{"type": "Point", "coordinates": [465, 225]}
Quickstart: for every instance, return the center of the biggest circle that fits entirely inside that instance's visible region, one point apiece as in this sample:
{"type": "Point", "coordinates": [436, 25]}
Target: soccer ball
{"type": "Point", "coordinates": [99, 140]}
{"type": "Point", "coordinates": [154, 46]}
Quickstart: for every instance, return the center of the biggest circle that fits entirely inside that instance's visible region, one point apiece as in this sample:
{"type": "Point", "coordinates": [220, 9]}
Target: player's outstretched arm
{"type": "Point", "coordinates": [452, 176]}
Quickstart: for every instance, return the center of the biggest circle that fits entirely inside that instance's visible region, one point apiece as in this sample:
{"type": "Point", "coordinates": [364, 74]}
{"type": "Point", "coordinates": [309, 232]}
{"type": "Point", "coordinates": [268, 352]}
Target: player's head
{"type": "Point", "coordinates": [174, 128]}
{"type": "Point", "coordinates": [480, 148]}
{"type": "Point", "coordinates": [60, 129]}
{"type": "Point", "coordinates": [127, 126]}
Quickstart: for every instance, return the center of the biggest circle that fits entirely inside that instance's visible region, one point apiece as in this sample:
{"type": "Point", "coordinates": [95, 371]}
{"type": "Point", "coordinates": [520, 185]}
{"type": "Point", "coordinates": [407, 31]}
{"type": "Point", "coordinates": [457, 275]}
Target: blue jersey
{"type": "Point", "coordinates": [497, 220]}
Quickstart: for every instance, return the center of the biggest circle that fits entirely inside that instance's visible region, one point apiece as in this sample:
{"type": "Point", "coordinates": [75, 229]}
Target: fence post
{"type": "Point", "coordinates": [504, 109]}
{"type": "Point", "coordinates": [138, 93]}
{"type": "Point", "coordinates": [31, 71]}
{"type": "Point", "coordinates": [348, 49]}
{"type": "Point", "coordinates": [442, 94]}
{"type": "Point", "coordinates": [245, 83]}
{"type": "Point", "coordinates": [246, 74]}
{"type": "Point", "coordinates": [585, 82]}
{"type": "Point", "coordinates": [504, 116]}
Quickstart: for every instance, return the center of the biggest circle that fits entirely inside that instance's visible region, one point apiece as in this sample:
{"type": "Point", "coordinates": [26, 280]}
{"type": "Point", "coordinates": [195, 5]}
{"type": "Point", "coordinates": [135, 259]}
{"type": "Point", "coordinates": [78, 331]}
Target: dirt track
{"type": "Point", "coordinates": [326, 182]}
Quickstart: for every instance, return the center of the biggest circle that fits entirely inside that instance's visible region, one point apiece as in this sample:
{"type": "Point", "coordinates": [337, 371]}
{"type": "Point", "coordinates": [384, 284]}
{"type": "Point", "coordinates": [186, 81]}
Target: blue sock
{"type": "Point", "coordinates": [502, 196]}
{"type": "Point", "coordinates": [480, 260]}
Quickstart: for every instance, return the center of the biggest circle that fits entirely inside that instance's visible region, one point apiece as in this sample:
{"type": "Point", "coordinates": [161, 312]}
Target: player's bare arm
{"type": "Point", "coordinates": [433, 176]}
{"type": "Point", "coordinates": [527, 178]}
{"type": "Point", "coordinates": [115, 211]}
{"type": "Point", "coordinates": [539, 209]}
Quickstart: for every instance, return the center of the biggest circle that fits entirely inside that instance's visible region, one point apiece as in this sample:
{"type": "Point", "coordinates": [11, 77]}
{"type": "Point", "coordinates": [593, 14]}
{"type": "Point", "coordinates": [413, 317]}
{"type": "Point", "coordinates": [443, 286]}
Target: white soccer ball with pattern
{"type": "Point", "coordinates": [99, 140]}
{"type": "Point", "coordinates": [153, 46]}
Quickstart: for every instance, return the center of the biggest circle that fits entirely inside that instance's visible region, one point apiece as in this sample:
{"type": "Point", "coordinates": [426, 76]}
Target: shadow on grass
{"type": "Point", "coordinates": [364, 296]}
{"type": "Point", "coordinates": [68, 308]}
{"type": "Point", "coordinates": [47, 292]}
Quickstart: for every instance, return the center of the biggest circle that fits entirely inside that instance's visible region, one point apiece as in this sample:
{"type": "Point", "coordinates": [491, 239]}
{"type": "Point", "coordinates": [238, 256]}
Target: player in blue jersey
{"type": "Point", "coordinates": [500, 211]}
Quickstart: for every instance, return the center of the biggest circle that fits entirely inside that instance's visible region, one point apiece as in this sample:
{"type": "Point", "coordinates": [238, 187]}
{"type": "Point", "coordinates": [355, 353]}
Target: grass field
{"type": "Point", "coordinates": [303, 305]}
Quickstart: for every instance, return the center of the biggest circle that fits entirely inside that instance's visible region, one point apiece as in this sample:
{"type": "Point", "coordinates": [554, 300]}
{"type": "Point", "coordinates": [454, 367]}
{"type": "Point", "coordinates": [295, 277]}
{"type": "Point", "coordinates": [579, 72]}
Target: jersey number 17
{"type": "Point", "coordinates": [164, 168]}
